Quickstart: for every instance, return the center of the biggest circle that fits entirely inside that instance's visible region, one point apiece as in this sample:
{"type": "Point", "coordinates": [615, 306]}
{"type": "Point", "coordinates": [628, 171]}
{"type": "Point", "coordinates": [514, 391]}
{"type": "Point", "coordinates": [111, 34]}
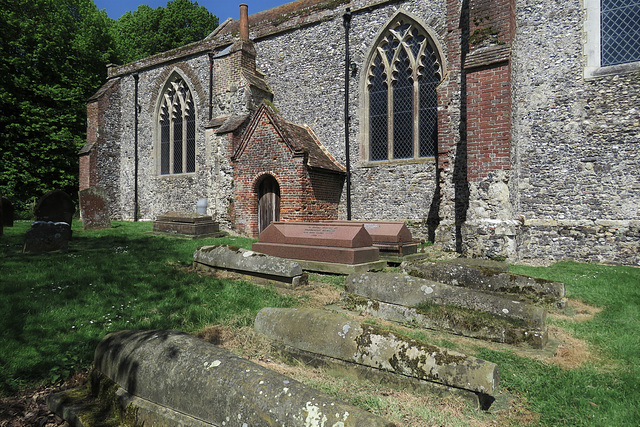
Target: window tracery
{"type": "Point", "coordinates": [402, 77]}
{"type": "Point", "coordinates": [177, 124]}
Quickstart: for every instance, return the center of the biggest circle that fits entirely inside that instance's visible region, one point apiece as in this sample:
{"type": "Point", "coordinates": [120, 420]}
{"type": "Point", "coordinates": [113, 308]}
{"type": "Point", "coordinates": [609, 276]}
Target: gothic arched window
{"type": "Point", "coordinates": [177, 125]}
{"type": "Point", "coordinates": [402, 76]}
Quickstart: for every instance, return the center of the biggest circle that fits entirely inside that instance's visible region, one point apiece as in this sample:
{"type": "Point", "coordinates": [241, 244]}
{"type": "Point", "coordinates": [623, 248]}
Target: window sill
{"type": "Point", "coordinates": [396, 162]}
{"type": "Point", "coordinates": [592, 73]}
{"type": "Point", "coordinates": [176, 175]}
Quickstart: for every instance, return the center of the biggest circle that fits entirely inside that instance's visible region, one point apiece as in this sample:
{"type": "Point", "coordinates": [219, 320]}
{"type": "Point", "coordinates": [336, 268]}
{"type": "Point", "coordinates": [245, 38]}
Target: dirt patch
{"type": "Point", "coordinates": [571, 352]}
{"type": "Point", "coordinates": [577, 311]}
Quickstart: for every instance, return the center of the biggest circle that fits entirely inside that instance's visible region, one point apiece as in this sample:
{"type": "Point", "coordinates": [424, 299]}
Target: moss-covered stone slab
{"type": "Point", "coordinates": [410, 291]}
{"type": "Point", "coordinates": [455, 320]}
{"type": "Point", "coordinates": [338, 336]}
{"type": "Point", "coordinates": [487, 276]}
{"type": "Point", "coordinates": [181, 373]}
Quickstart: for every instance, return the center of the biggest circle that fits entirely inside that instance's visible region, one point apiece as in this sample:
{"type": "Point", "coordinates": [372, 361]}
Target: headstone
{"type": "Point", "coordinates": [55, 206]}
{"type": "Point", "coordinates": [94, 208]}
{"type": "Point", "coordinates": [188, 224]}
{"type": "Point", "coordinates": [6, 210]}
{"type": "Point", "coordinates": [333, 243]}
{"type": "Point", "coordinates": [392, 238]}
{"type": "Point", "coordinates": [47, 236]}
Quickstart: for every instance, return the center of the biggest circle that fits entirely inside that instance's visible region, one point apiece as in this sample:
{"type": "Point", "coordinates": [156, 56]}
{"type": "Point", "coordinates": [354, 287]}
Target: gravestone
{"type": "Point", "coordinates": [94, 208]}
{"type": "Point", "coordinates": [55, 206]}
{"type": "Point", "coordinates": [7, 212]}
{"type": "Point", "coordinates": [342, 243]}
{"type": "Point", "coordinates": [392, 238]}
{"type": "Point", "coordinates": [187, 224]}
{"type": "Point", "coordinates": [47, 236]}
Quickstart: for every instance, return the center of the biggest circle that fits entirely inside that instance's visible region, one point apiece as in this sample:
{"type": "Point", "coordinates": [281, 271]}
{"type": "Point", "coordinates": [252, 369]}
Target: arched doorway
{"type": "Point", "coordinates": [268, 202]}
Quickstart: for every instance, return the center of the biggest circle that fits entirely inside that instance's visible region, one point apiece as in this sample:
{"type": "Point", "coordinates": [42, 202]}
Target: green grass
{"type": "Point", "coordinates": [606, 393]}
{"type": "Point", "coordinates": [55, 307]}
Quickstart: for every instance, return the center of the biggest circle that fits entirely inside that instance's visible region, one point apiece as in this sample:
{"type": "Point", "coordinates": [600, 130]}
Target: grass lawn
{"type": "Point", "coordinates": [55, 307]}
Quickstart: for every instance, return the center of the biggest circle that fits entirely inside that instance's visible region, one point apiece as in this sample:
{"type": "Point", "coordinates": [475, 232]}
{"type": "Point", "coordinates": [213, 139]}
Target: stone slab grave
{"type": "Point", "coordinates": [392, 238]}
{"type": "Point", "coordinates": [94, 208]}
{"type": "Point", "coordinates": [243, 261]}
{"type": "Point", "coordinates": [321, 246]}
{"type": "Point", "coordinates": [187, 224]}
{"type": "Point", "coordinates": [316, 333]}
{"type": "Point", "coordinates": [490, 277]}
{"type": "Point", "coordinates": [51, 231]}
{"type": "Point", "coordinates": [405, 299]}
{"type": "Point", "coordinates": [168, 378]}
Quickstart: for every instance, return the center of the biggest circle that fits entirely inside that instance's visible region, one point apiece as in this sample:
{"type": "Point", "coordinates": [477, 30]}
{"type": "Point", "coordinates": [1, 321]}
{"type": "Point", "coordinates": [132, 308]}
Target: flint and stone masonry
{"type": "Point", "coordinates": [537, 148]}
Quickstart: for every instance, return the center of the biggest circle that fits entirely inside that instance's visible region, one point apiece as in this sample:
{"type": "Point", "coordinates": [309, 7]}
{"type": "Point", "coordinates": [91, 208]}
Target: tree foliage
{"type": "Point", "coordinates": [148, 31]}
{"type": "Point", "coordinates": [53, 57]}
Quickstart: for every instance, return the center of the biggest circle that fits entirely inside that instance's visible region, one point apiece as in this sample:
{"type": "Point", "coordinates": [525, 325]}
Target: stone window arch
{"type": "Point", "coordinates": [176, 128]}
{"type": "Point", "coordinates": [403, 72]}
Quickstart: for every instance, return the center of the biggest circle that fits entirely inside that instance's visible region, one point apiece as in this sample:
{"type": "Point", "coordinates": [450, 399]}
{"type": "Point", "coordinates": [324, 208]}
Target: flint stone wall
{"type": "Point", "coordinates": [575, 156]}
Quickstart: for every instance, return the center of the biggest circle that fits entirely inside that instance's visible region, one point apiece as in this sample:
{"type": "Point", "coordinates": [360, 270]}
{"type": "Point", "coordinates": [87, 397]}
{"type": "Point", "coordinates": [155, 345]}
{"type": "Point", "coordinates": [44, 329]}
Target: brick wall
{"type": "Point", "coordinates": [305, 194]}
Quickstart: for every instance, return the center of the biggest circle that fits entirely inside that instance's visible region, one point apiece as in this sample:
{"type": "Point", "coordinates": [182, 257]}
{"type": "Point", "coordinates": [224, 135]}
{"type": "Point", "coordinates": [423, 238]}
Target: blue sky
{"type": "Point", "coordinates": [221, 8]}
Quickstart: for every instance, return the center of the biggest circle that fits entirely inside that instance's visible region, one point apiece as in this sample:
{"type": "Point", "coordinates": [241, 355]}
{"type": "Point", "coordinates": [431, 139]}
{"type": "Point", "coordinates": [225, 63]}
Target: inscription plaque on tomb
{"type": "Point", "coordinates": [324, 242]}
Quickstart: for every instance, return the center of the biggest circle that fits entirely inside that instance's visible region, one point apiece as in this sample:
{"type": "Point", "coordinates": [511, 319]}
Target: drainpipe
{"type": "Point", "coordinates": [210, 85]}
{"type": "Point", "coordinates": [347, 25]}
{"type": "Point", "coordinates": [135, 149]}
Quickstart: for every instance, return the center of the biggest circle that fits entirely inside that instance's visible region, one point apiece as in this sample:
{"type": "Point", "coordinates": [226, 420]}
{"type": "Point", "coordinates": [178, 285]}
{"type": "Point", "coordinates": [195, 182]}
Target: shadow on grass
{"type": "Point", "coordinates": [57, 306]}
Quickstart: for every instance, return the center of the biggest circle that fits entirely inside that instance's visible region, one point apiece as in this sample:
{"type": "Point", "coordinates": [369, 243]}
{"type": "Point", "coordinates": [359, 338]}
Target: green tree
{"type": "Point", "coordinates": [148, 31]}
{"type": "Point", "coordinates": [53, 55]}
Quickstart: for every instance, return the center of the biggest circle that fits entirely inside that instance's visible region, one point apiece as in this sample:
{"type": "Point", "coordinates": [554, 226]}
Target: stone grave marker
{"type": "Point", "coordinates": [187, 224]}
{"type": "Point", "coordinates": [51, 230]}
{"type": "Point", "coordinates": [47, 236]}
{"type": "Point", "coordinates": [94, 208]}
{"type": "Point", "coordinates": [7, 212]}
{"type": "Point", "coordinates": [55, 206]}
{"type": "Point", "coordinates": [333, 243]}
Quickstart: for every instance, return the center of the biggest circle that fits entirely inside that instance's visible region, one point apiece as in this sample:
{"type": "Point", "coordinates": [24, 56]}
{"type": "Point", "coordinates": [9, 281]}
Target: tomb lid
{"type": "Point", "coordinates": [176, 216]}
{"type": "Point", "coordinates": [317, 234]}
{"type": "Point", "coordinates": [384, 231]}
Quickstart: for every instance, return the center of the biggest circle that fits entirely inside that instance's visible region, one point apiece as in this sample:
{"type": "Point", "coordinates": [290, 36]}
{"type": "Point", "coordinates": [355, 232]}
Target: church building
{"type": "Point", "coordinates": [506, 129]}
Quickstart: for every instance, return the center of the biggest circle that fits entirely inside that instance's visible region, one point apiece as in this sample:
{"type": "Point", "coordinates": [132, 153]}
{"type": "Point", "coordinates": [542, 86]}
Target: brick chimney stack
{"type": "Point", "coordinates": [244, 22]}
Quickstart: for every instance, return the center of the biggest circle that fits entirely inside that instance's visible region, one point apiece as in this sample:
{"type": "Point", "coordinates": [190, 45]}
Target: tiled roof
{"type": "Point", "coordinates": [300, 139]}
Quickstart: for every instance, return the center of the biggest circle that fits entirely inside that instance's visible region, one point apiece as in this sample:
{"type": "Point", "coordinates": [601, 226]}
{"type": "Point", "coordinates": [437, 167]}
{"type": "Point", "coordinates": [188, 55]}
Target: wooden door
{"type": "Point", "coordinates": [268, 202]}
